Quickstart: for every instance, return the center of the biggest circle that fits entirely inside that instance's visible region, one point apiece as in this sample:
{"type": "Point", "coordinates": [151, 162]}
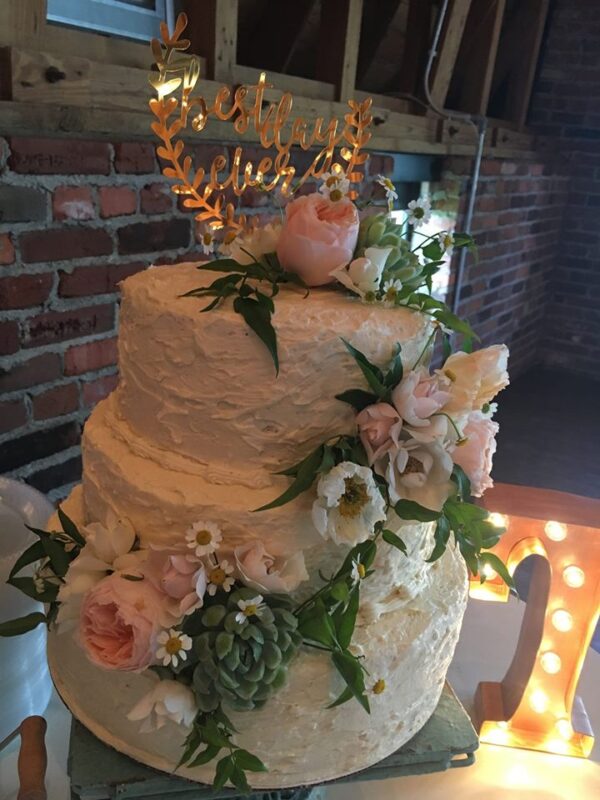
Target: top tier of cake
{"type": "Point", "coordinates": [204, 386]}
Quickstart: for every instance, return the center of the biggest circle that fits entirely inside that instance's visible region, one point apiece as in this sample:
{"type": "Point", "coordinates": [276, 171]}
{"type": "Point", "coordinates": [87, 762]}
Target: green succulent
{"type": "Point", "coordinates": [242, 664]}
{"type": "Point", "coordinates": [380, 230]}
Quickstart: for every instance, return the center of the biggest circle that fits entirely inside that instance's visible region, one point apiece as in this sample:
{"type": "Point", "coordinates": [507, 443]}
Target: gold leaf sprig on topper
{"type": "Point", "coordinates": [272, 125]}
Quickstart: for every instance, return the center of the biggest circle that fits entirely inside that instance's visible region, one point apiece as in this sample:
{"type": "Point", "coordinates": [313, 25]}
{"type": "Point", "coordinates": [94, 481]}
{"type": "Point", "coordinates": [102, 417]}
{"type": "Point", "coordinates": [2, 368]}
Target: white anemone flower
{"type": "Point", "coordinates": [250, 608]}
{"type": "Point", "coordinates": [249, 246]}
{"type": "Point", "coordinates": [107, 548]}
{"type": "Point", "coordinates": [173, 647]}
{"type": "Point", "coordinates": [168, 700]}
{"type": "Point", "coordinates": [419, 212]}
{"type": "Point", "coordinates": [334, 185]}
{"type": "Point", "coordinates": [203, 537]}
{"type": "Point", "coordinates": [363, 275]}
{"type": "Point", "coordinates": [219, 576]}
{"type": "Point", "coordinates": [348, 504]}
{"type": "Point", "coordinates": [418, 471]}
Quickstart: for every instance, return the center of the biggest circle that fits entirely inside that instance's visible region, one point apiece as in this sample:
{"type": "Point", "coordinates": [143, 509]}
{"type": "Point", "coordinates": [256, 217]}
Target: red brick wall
{"type": "Point", "coordinates": [77, 217]}
{"type": "Point", "coordinates": [566, 105]}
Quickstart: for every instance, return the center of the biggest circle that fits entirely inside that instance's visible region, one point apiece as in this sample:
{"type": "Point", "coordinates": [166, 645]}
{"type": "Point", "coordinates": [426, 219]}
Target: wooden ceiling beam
{"type": "Point", "coordinates": [477, 55]}
{"type": "Point", "coordinates": [451, 38]}
{"type": "Point", "coordinates": [520, 86]}
{"type": "Point", "coordinates": [409, 78]}
{"type": "Point", "coordinates": [338, 44]}
{"type": "Point", "coordinates": [275, 35]}
{"type": "Point", "coordinates": [374, 28]}
{"type": "Point", "coordinates": [212, 30]}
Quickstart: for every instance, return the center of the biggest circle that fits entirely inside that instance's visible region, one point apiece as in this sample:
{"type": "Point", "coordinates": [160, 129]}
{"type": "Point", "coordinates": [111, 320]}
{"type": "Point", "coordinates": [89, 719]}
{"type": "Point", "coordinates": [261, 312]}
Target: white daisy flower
{"type": "Point", "coordinates": [390, 291]}
{"type": "Point", "coordinates": [446, 242]}
{"type": "Point", "coordinates": [390, 190]}
{"type": "Point", "coordinates": [334, 185]}
{"type": "Point", "coordinates": [419, 212]}
{"type": "Point", "coordinates": [348, 504]}
{"type": "Point", "coordinates": [173, 647]}
{"type": "Point", "coordinates": [219, 577]}
{"type": "Point", "coordinates": [207, 241]}
{"type": "Point", "coordinates": [249, 608]}
{"type": "Point", "coordinates": [358, 572]}
{"type": "Point", "coordinates": [203, 537]}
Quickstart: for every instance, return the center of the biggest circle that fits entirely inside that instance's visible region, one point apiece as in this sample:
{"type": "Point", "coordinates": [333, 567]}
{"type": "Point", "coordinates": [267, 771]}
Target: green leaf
{"type": "Point", "coordinates": [258, 318]}
{"type": "Point", "coordinates": [223, 772]}
{"type": "Point", "coordinates": [358, 398]}
{"type": "Point", "coordinates": [192, 743]}
{"type": "Point", "coordinates": [238, 778]}
{"type": "Point", "coordinates": [315, 625]}
{"type": "Point", "coordinates": [408, 509]}
{"type": "Point", "coordinates": [391, 538]}
{"type": "Point", "coordinates": [27, 586]}
{"type": "Point", "coordinates": [462, 482]}
{"type": "Point", "coordinates": [432, 251]}
{"type": "Point", "coordinates": [222, 265]}
{"type": "Point", "coordinates": [396, 370]}
{"type": "Point", "coordinates": [204, 756]}
{"type": "Point", "coordinates": [364, 552]}
{"type": "Point", "coordinates": [498, 566]}
{"type": "Point", "coordinates": [305, 478]}
{"type": "Point", "coordinates": [346, 695]}
{"type": "Point", "coordinates": [339, 591]}
{"type": "Point", "coordinates": [59, 559]}
{"type": "Point", "coordinates": [212, 734]}
{"type": "Point", "coordinates": [70, 528]}
{"type": "Point", "coordinates": [350, 670]}
{"type": "Point", "coordinates": [372, 373]}
{"type": "Point", "coordinates": [441, 535]}
{"type": "Point", "coordinates": [248, 761]}
{"type": "Point", "coordinates": [15, 627]}
{"type": "Point", "coordinates": [345, 619]}
{"type": "Point", "coordinates": [34, 553]}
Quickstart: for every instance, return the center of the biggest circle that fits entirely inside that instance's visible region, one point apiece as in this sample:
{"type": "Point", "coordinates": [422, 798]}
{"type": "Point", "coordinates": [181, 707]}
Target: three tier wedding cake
{"type": "Point", "coordinates": [261, 578]}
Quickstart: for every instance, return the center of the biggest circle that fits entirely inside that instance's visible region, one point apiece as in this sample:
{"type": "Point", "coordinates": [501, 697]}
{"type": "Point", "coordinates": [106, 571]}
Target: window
{"type": "Point", "coordinates": [417, 176]}
{"type": "Point", "coordinates": [133, 19]}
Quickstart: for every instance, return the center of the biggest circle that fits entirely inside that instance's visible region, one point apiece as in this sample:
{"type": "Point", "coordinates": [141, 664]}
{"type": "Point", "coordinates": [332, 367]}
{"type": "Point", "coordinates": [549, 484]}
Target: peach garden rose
{"type": "Point", "coordinates": [318, 235]}
{"type": "Point", "coordinates": [119, 622]}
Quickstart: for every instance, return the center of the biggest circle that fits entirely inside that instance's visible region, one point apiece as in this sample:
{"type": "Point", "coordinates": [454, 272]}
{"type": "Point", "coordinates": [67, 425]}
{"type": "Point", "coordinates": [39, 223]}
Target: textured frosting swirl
{"type": "Point", "coordinates": [203, 385]}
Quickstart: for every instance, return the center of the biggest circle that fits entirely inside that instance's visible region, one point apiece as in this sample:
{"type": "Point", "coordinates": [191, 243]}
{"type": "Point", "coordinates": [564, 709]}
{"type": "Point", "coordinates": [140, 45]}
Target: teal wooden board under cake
{"type": "Point", "coordinates": [100, 773]}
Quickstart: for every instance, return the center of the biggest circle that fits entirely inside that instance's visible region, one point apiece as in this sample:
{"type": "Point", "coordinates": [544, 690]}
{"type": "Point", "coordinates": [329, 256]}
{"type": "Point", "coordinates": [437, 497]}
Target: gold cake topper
{"type": "Point", "coordinates": [273, 125]}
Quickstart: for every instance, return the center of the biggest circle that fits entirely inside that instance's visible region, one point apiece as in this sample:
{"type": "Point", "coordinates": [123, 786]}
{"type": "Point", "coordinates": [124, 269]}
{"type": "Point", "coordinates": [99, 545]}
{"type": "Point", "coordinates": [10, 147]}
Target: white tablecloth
{"type": "Point", "coordinates": [484, 652]}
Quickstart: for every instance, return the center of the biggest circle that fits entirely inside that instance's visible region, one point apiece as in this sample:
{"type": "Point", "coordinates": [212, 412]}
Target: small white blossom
{"type": "Point", "coordinates": [250, 608]}
{"type": "Point", "coordinates": [446, 242]}
{"type": "Point", "coordinates": [358, 572]}
{"type": "Point", "coordinates": [173, 647]}
{"type": "Point", "coordinates": [334, 185]}
{"type": "Point", "coordinates": [251, 245]}
{"type": "Point", "coordinates": [419, 212]}
{"type": "Point", "coordinates": [348, 505]}
{"type": "Point", "coordinates": [207, 241]}
{"type": "Point", "coordinates": [219, 576]}
{"type": "Point", "coordinates": [168, 700]}
{"type": "Point", "coordinates": [390, 291]}
{"type": "Point", "coordinates": [363, 274]}
{"type": "Point", "coordinates": [390, 190]}
{"type": "Point", "coordinates": [203, 537]}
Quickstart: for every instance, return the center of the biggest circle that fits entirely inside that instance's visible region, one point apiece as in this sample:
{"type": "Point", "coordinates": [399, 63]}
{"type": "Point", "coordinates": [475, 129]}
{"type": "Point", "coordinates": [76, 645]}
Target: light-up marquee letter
{"type": "Point", "coordinates": [248, 111]}
{"type": "Point", "coordinates": [535, 706]}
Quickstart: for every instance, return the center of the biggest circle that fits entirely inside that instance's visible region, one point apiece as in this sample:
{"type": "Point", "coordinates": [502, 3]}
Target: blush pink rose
{"type": "Point", "coordinates": [475, 455]}
{"type": "Point", "coordinates": [181, 577]}
{"type": "Point", "coordinates": [379, 427]}
{"type": "Point", "coordinates": [119, 622]}
{"type": "Point", "coordinates": [418, 396]}
{"type": "Point", "coordinates": [318, 235]}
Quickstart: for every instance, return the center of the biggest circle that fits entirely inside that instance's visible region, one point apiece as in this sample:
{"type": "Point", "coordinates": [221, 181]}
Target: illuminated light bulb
{"type": "Point", "coordinates": [488, 572]}
{"type": "Point", "coordinates": [498, 520]}
{"type": "Point", "coordinates": [555, 530]}
{"type": "Point", "coordinates": [573, 576]}
{"type": "Point", "coordinates": [564, 728]}
{"type": "Point", "coordinates": [551, 662]}
{"type": "Point", "coordinates": [538, 701]}
{"type": "Point", "coordinates": [503, 724]}
{"type": "Point", "coordinates": [562, 620]}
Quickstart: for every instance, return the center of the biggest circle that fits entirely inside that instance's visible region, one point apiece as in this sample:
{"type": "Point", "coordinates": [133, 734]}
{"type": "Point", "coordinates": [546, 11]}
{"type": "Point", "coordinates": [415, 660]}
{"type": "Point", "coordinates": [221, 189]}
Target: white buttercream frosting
{"type": "Point", "coordinates": [195, 430]}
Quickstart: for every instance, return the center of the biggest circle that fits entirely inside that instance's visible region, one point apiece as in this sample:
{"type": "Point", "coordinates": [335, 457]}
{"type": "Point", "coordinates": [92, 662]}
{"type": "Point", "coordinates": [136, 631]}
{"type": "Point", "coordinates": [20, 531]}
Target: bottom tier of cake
{"type": "Point", "coordinates": [299, 739]}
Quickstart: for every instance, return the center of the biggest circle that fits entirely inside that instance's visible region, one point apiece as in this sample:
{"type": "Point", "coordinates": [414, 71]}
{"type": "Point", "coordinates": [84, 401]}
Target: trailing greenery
{"type": "Point", "coordinates": [52, 553]}
{"type": "Point", "coordinates": [255, 306]}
